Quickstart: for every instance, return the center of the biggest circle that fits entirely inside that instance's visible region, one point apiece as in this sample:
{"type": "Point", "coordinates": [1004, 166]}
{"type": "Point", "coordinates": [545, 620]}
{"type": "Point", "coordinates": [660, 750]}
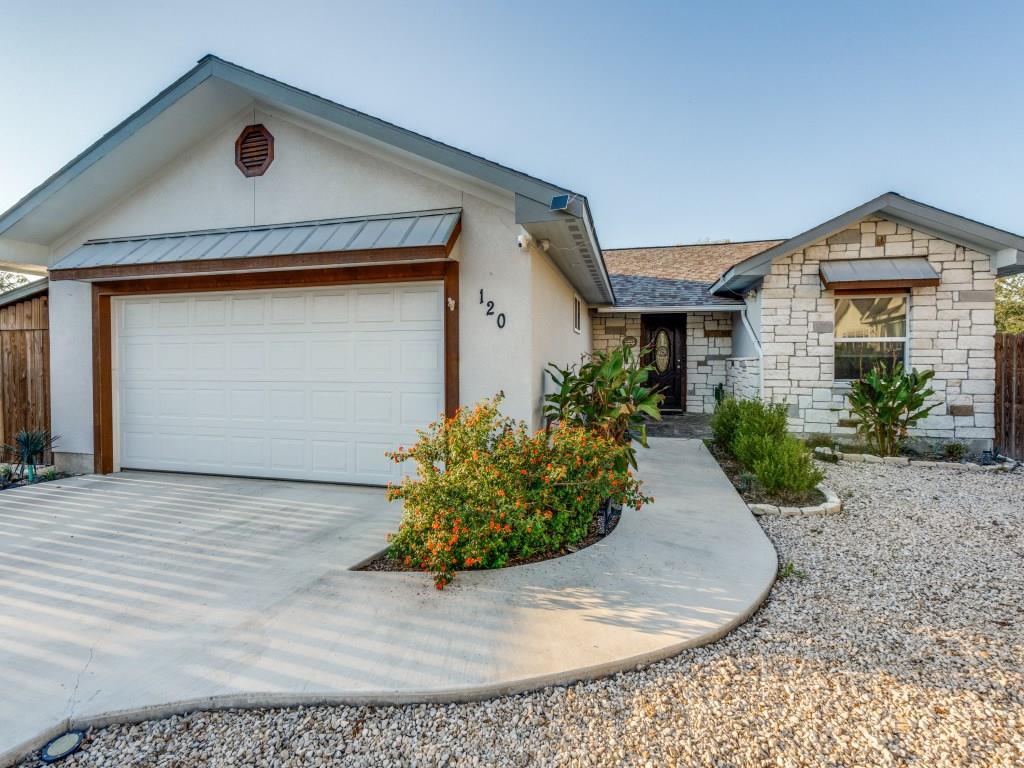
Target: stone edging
{"type": "Point", "coordinates": [830, 506]}
{"type": "Point", "coordinates": [870, 458]}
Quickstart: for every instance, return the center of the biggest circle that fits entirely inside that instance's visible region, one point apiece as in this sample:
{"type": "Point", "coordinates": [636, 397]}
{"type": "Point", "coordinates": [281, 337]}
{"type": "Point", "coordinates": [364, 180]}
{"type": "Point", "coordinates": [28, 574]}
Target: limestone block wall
{"type": "Point", "coordinates": [608, 331]}
{"type": "Point", "coordinates": [951, 330]}
{"type": "Point", "coordinates": [743, 377]}
{"type": "Point", "coordinates": [708, 347]}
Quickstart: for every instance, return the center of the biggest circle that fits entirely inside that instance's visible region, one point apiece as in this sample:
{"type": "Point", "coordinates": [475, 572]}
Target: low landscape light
{"type": "Point", "coordinates": [62, 746]}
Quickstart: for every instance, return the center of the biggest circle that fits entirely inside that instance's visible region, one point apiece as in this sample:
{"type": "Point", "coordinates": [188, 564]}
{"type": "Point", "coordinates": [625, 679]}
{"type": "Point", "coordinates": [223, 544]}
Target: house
{"type": "Point", "coordinates": [797, 320]}
{"type": "Point", "coordinates": [248, 279]}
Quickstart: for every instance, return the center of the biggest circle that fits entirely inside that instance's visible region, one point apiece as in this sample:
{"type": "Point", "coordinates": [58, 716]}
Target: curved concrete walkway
{"type": "Point", "coordinates": [139, 595]}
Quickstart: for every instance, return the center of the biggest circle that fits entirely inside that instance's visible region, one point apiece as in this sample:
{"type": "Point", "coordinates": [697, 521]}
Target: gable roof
{"type": "Point", "coordinates": [1006, 248]}
{"type": "Point", "coordinates": [214, 90]}
{"type": "Point", "coordinates": [675, 275]}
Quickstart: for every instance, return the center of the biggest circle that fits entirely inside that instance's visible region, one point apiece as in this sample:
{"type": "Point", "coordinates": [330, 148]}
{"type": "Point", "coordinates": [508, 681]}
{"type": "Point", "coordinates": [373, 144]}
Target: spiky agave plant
{"type": "Point", "coordinates": [29, 447]}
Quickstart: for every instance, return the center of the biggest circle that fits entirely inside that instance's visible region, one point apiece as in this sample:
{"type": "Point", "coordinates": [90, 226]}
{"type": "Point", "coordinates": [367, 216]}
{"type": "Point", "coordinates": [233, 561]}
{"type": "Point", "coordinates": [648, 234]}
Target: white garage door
{"type": "Point", "coordinates": [311, 384]}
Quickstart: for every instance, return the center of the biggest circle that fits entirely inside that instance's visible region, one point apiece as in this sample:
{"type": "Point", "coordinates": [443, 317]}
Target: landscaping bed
{"type": "Point", "coordinates": [595, 534]}
{"type": "Point", "coordinates": [752, 492]}
{"type": "Point", "coordinates": [17, 480]}
{"type": "Point", "coordinates": [895, 636]}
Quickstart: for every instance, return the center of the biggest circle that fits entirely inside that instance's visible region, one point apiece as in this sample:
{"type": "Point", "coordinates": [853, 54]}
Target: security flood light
{"type": "Point", "coordinates": [561, 202]}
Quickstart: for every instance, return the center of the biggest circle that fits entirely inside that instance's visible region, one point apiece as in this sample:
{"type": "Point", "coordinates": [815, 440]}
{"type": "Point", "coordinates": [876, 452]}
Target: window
{"type": "Point", "coordinates": [868, 330]}
{"type": "Point", "coordinates": [577, 320]}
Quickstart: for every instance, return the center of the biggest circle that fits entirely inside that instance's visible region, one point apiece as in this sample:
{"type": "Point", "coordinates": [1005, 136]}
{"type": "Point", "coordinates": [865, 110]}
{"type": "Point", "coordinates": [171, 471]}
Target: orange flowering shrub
{"type": "Point", "coordinates": [488, 491]}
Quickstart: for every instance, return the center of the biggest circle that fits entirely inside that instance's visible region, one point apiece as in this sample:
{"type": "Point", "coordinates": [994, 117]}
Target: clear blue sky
{"type": "Point", "coordinates": [680, 121]}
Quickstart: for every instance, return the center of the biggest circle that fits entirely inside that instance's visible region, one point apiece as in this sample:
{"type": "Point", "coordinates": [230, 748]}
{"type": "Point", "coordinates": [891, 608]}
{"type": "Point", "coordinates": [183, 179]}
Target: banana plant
{"type": "Point", "coordinates": [607, 393]}
{"type": "Point", "coordinates": [888, 404]}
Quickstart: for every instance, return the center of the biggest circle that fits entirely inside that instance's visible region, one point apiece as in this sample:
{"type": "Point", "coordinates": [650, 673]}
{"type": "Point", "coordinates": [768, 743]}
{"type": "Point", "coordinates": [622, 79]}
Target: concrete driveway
{"type": "Point", "coordinates": [141, 594]}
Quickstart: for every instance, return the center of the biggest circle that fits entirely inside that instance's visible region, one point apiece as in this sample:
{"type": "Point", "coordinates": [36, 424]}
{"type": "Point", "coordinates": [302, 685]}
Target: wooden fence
{"type": "Point", "coordinates": [24, 367]}
{"type": "Point", "coordinates": [1010, 394]}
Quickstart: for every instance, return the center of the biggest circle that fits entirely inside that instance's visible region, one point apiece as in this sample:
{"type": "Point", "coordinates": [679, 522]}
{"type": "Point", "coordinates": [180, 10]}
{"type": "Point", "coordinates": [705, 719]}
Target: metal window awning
{"type": "Point", "coordinates": [859, 274]}
{"type": "Point", "coordinates": [425, 233]}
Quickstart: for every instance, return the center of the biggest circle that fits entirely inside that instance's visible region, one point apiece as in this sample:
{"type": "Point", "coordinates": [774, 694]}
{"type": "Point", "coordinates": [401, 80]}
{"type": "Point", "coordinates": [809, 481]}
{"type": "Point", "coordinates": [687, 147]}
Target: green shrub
{"type": "Point", "coordinates": [785, 468]}
{"type": "Point", "coordinates": [887, 404]}
{"type": "Point", "coordinates": [750, 447]}
{"type": "Point", "coordinates": [955, 451]}
{"type": "Point", "coordinates": [761, 418]}
{"type": "Point", "coordinates": [725, 421]}
{"type": "Point", "coordinates": [488, 491]}
{"type": "Point", "coordinates": [607, 394]}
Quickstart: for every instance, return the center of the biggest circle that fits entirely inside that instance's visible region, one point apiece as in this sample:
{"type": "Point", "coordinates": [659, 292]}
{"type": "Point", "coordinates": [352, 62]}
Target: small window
{"type": "Point", "coordinates": [869, 330]}
{"type": "Point", "coordinates": [577, 309]}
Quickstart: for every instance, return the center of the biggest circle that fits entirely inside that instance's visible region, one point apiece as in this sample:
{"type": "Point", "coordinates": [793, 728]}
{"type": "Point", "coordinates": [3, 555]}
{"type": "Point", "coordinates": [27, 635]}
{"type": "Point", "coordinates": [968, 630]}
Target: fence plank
{"type": "Point", "coordinates": [24, 368]}
{"type": "Point", "coordinates": [1010, 394]}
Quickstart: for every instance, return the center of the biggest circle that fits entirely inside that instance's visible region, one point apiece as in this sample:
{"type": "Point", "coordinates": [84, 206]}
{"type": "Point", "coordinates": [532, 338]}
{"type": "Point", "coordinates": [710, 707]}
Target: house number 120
{"type": "Point", "coordinates": [499, 318]}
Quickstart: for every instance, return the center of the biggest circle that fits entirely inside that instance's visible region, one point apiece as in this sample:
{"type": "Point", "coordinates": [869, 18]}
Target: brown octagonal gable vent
{"type": "Point", "coordinates": [254, 150]}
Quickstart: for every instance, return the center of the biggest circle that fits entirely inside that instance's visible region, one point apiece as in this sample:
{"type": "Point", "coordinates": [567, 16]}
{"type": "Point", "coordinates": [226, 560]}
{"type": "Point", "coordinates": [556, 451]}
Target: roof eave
{"type": "Point", "coordinates": [648, 310]}
{"type": "Point", "coordinates": [24, 292]}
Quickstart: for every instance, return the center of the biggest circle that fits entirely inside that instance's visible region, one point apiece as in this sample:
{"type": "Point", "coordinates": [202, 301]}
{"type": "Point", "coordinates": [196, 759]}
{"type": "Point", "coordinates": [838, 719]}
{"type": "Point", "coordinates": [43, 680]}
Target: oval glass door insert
{"type": "Point", "coordinates": [662, 351]}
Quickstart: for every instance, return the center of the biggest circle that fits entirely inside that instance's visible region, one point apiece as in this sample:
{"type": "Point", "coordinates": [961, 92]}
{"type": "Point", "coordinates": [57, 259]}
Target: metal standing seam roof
{"type": "Point", "coordinates": [399, 230]}
{"type": "Point", "coordinates": [911, 269]}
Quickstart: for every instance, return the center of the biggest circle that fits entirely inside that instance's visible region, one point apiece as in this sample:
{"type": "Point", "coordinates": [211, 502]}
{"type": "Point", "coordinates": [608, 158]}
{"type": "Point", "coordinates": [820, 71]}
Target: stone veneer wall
{"type": "Point", "coordinates": [743, 377]}
{"type": "Point", "coordinates": [708, 346]}
{"type": "Point", "coordinates": [608, 331]}
{"type": "Point", "coordinates": [951, 331]}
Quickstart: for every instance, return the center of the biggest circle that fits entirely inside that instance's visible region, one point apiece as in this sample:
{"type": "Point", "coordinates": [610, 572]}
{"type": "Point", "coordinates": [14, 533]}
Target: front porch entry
{"type": "Point", "coordinates": [665, 336]}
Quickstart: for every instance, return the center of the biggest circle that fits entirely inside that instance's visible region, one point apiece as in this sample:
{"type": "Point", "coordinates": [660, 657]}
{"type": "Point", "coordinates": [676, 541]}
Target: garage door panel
{"type": "Point", "coordinates": [331, 457]}
{"type": "Point", "coordinates": [209, 312]}
{"type": "Point", "coordinates": [209, 355]}
{"type": "Point", "coordinates": [375, 306]}
{"type": "Point", "coordinates": [172, 314]}
{"type": "Point", "coordinates": [371, 460]}
{"type": "Point", "coordinates": [247, 356]}
{"type": "Point", "coordinates": [288, 310]}
{"type": "Point", "coordinates": [174, 403]}
{"type": "Point", "coordinates": [419, 408]}
{"type": "Point", "coordinates": [330, 308]}
{"type": "Point", "coordinates": [311, 384]}
{"type": "Point", "coordinates": [418, 306]}
{"type": "Point", "coordinates": [330, 406]}
{"type": "Point", "coordinates": [210, 451]}
{"type": "Point", "coordinates": [289, 406]}
{"type": "Point", "coordinates": [247, 310]}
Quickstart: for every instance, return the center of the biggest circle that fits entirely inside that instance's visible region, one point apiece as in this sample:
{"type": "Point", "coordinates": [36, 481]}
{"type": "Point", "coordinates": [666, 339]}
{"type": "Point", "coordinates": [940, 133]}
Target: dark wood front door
{"type": "Point", "coordinates": [664, 336]}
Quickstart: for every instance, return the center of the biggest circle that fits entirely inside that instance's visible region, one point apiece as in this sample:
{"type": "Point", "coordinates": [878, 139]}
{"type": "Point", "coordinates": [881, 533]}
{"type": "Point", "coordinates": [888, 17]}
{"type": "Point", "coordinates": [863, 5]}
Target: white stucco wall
{"type": "Point", "coordinates": [553, 337]}
{"type": "Point", "coordinates": [71, 367]}
{"type": "Point", "coordinates": [316, 176]}
{"type": "Point", "coordinates": [742, 343]}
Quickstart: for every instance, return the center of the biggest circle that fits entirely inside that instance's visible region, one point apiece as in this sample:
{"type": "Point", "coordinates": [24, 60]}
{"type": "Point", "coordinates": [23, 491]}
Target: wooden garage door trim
{"type": "Point", "coordinates": [102, 370]}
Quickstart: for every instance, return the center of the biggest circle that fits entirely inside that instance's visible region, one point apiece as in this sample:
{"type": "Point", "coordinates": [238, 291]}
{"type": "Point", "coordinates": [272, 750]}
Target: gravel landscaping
{"type": "Point", "coordinates": [896, 638]}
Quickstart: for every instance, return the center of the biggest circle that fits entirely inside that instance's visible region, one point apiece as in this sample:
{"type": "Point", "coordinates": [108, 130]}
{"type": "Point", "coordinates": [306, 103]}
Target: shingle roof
{"type": "Point", "coordinates": [644, 291]}
{"type": "Point", "coordinates": [675, 275]}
